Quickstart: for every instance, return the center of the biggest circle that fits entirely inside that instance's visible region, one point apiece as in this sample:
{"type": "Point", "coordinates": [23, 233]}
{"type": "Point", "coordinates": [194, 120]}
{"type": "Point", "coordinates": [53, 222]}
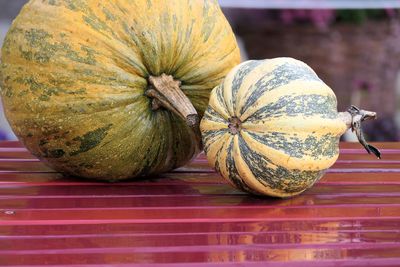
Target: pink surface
{"type": "Point", "coordinates": [191, 217]}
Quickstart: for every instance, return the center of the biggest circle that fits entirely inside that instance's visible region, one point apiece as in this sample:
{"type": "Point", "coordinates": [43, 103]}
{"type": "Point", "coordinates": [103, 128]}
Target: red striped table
{"type": "Point", "coordinates": [191, 217]}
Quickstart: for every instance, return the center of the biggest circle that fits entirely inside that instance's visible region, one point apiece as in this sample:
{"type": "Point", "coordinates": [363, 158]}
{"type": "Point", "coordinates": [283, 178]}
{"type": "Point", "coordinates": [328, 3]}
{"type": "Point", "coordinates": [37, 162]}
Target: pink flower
{"type": "Point", "coordinates": [390, 12]}
{"type": "Point", "coordinates": [287, 16]}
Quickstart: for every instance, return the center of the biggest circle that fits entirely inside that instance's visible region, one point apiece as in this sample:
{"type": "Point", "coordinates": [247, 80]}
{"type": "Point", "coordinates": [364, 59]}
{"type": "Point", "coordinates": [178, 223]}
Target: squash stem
{"type": "Point", "coordinates": [353, 118]}
{"type": "Point", "coordinates": [166, 93]}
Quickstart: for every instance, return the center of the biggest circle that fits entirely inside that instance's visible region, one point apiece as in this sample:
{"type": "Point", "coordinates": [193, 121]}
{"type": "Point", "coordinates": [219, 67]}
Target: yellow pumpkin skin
{"type": "Point", "coordinates": [74, 75]}
{"type": "Point", "coordinates": [272, 127]}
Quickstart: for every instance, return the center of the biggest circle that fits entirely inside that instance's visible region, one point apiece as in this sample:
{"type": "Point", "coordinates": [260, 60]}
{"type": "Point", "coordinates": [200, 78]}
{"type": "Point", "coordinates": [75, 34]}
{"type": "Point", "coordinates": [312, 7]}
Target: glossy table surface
{"type": "Point", "coordinates": [191, 217]}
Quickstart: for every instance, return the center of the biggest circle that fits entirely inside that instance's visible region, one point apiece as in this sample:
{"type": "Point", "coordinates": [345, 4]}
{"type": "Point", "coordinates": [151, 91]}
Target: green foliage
{"type": "Point", "coordinates": [360, 15]}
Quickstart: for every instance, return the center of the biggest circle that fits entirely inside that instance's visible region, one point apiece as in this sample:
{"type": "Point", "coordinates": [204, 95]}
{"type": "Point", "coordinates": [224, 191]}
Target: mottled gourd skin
{"type": "Point", "coordinates": [74, 73]}
{"type": "Point", "coordinates": [272, 127]}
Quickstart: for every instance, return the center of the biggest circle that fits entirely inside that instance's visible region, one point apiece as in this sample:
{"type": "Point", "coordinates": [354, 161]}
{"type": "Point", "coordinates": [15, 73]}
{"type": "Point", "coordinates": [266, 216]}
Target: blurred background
{"type": "Point", "coordinates": [353, 45]}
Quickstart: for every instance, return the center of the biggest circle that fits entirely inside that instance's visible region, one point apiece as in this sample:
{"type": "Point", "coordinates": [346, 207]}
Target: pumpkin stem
{"type": "Point", "coordinates": [166, 93]}
{"type": "Point", "coordinates": [353, 118]}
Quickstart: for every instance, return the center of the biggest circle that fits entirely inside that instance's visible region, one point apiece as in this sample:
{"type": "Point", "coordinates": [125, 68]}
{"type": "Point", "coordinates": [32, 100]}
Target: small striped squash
{"type": "Point", "coordinates": [272, 127]}
{"type": "Point", "coordinates": [113, 89]}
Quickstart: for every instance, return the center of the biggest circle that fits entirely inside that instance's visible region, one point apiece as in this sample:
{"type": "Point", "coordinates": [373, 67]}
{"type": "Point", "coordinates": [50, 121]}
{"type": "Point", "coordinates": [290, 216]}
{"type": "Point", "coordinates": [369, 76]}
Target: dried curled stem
{"type": "Point", "coordinates": [353, 118]}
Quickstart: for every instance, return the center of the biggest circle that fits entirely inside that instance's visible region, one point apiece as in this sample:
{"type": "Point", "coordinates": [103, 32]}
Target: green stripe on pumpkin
{"type": "Point", "coordinates": [90, 140]}
{"type": "Point", "coordinates": [306, 105]}
{"type": "Point", "coordinates": [213, 115]}
{"type": "Point", "coordinates": [232, 169]}
{"type": "Point", "coordinates": [276, 177]}
{"type": "Point", "coordinates": [240, 74]}
{"type": "Point", "coordinates": [209, 137]}
{"type": "Point", "coordinates": [280, 76]}
{"type": "Point", "coordinates": [315, 146]}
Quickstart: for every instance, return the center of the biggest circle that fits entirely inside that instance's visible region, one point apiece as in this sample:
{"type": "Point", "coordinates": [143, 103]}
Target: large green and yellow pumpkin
{"type": "Point", "coordinates": [113, 89]}
{"type": "Point", "coordinates": [272, 127]}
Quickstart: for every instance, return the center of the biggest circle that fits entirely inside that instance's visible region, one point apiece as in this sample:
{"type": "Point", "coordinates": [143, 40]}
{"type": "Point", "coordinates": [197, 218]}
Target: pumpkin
{"type": "Point", "coordinates": [272, 127]}
{"type": "Point", "coordinates": [114, 89]}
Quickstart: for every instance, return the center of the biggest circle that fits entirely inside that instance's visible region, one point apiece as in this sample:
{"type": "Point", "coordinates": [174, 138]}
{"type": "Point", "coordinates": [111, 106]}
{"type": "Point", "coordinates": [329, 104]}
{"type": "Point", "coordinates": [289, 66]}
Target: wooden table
{"type": "Point", "coordinates": [192, 218]}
